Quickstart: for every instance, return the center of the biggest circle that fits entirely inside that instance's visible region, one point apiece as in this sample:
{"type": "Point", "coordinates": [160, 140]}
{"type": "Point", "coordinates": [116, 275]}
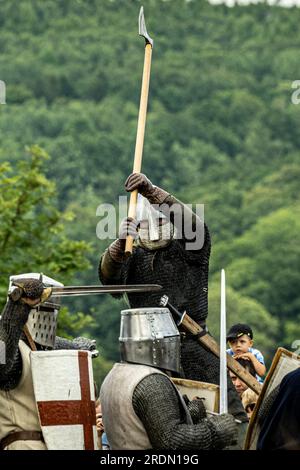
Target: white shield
{"type": "Point", "coordinates": [65, 396]}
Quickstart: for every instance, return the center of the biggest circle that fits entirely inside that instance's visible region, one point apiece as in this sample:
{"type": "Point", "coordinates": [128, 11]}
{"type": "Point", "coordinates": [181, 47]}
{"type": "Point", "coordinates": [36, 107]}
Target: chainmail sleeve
{"type": "Point", "coordinates": [80, 343]}
{"type": "Point", "coordinates": [63, 343]}
{"type": "Point", "coordinates": [114, 272]}
{"type": "Point", "coordinates": [13, 319]}
{"type": "Point", "coordinates": [77, 343]}
{"type": "Point", "coordinates": [109, 269]}
{"type": "Point", "coordinates": [158, 407]}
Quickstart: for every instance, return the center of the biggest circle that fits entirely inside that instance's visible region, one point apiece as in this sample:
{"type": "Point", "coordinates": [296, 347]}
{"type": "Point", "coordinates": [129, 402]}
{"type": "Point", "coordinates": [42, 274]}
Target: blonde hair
{"type": "Point", "coordinates": [248, 397]}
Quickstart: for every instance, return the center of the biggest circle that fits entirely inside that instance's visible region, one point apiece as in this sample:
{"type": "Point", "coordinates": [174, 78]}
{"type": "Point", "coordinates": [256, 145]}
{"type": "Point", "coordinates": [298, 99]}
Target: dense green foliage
{"type": "Point", "coordinates": [34, 239]}
{"type": "Point", "coordinates": [31, 228]}
{"type": "Point", "coordinates": [221, 130]}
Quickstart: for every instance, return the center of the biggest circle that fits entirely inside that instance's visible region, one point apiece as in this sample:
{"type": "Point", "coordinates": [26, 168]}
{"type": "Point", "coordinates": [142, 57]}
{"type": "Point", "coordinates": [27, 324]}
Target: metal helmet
{"type": "Point", "coordinates": [150, 336]}
{"type": "Point", "coordinates": [155, 234]}
{"type": "Point", "coordinates": [42, 320]}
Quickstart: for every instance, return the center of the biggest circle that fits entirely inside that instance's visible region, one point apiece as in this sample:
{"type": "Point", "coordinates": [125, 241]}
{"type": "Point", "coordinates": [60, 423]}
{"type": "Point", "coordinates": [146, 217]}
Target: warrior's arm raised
{"type": "Point", "coordinates": [157, 405]}
{"type": "Point", "coordinates": [190, 226]}
{"type": "Point", "coordinates": [190, 229]}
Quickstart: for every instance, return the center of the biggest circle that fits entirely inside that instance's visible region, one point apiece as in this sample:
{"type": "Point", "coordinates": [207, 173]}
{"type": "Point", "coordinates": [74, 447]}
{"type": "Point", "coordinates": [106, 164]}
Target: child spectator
{"type": "Point", "coordinates": [102, 438]}
{"type": "Point", "coordinates": [99, 423]}
{"type": "Point", "coordinates": [249, 399]}
{"type": "Point", "coordinates": [240, 339]}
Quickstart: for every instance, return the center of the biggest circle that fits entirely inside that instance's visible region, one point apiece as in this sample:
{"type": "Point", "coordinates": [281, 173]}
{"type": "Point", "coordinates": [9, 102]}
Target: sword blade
{"type": "Point", "coordinates": [223, 354]}
{"type": "Point", "coordinates": [71, 291]}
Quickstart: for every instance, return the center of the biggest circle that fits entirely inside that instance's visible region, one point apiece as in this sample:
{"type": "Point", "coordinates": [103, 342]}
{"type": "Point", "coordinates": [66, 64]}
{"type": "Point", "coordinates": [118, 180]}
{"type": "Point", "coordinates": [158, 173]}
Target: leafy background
{"type": "Point", "coordinates": [221, 130]}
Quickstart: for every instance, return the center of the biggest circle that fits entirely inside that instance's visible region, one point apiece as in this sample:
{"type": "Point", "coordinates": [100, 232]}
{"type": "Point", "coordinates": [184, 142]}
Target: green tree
{"type": "Point", "coordinates": [32, 234]}
{"type": "Point", "coordinates": [264, 264]}
{"type": "Point", "coordinates": [243, 309]}
{"type": "Point", "coordinates": [221, 128]}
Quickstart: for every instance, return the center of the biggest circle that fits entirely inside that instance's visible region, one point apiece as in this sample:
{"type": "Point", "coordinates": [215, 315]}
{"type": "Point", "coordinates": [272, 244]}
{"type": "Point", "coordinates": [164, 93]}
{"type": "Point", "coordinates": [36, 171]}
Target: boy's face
{"type": "Point", "coordinates": [241, 344]}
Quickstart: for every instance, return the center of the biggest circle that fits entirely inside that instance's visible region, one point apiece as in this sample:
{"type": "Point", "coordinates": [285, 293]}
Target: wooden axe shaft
{"type": "Point", "coordinates": [210, 343]}
{"type": "Point", "coordinates": [137, 165]}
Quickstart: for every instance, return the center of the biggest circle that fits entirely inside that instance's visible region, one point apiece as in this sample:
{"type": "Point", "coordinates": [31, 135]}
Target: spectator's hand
{"type": "Point", "coordinates": [247, 355]}
{"type": "Point", "coordinates": [140, 182]}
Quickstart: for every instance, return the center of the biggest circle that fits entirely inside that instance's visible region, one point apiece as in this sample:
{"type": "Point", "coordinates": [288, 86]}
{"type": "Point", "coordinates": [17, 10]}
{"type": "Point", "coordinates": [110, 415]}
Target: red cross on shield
{"type": "Point", "coordinates": [65, 397]}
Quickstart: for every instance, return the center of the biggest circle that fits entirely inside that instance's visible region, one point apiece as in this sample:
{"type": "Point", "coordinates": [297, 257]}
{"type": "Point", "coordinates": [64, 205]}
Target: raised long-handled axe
{"type": "Point", "coordinates": [190, 326]}
{"type": "Point", "coordinates": [137, 165]}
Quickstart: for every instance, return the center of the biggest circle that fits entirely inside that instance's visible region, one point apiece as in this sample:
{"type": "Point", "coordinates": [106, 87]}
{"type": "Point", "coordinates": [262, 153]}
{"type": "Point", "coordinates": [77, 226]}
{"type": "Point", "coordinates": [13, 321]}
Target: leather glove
{"type": "Point", "coordinates": [140, 182]}
{"type": "Point", "coordinates": [86, 344]}
{"type": "Point", "coordinates": [128, 226]}
{"type": "Point", "coordinates": [30, 291]}
{"type": "Point", "coordinates": [116, 250]}
{"type": "Point", "coordinates": [226, 429]}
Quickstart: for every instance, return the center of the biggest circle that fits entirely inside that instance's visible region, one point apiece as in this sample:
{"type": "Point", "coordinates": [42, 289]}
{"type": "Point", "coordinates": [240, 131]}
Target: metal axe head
{"type": "Point", "coordinates": [164, 301]}
{"type": "Point", "coordinates": [142, 28]}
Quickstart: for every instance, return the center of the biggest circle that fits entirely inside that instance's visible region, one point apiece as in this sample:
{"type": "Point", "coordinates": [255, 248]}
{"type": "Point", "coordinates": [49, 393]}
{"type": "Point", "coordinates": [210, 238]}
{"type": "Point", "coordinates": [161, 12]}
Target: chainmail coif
{"type": "Point", "coordinates": [157, 405]}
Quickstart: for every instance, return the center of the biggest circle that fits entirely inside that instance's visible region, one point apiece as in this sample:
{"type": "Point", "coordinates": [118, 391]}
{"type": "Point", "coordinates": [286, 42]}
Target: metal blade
{"type": "Point", "coordinates": [69, 291]}
{"type": "Point", "coordinates": [142, 28]}
{"type": "Point", "coordinates": [223, 354]}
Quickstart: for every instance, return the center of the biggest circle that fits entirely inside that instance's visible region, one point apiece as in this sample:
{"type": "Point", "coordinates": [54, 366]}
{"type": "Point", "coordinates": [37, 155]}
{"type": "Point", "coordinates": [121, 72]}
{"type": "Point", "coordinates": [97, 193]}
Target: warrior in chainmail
{"type": "Point", "coordinates": [28, 321]}
{"type": "Point", "coordinates": [142, 408]}
{"type": "Point", "coordinates": [168, 260]}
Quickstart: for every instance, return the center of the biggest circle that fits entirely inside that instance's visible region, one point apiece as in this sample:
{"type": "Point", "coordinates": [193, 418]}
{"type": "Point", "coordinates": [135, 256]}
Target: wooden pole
{"type": "Point", "coordinates": [137, 165]}
{"type": "Point", "coordinates": [210, 343]}
{"type": "Point", "coordinates": [139, 144]}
